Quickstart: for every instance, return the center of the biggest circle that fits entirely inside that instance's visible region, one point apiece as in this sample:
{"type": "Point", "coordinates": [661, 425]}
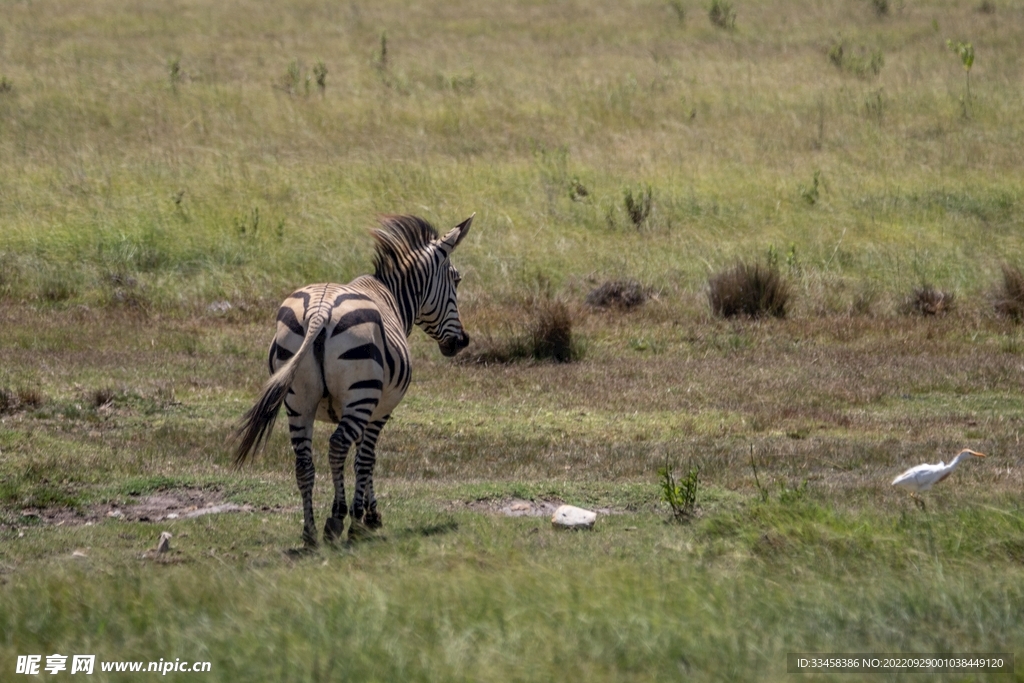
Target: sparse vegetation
{"type": "Point", "coordinates": [965, 51]}
{"type": "Point", "coordinates": [206, 206]}
{"type": "Point", "coordinates": [751, 289]}
{"type": "Point", "coordinates": [722, 14]}
{"type": "Point", "coordinates": [860, 61]}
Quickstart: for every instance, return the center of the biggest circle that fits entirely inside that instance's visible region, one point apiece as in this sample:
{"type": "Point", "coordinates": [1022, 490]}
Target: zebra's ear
{"type": "Point", "coordinates": [455, 235]}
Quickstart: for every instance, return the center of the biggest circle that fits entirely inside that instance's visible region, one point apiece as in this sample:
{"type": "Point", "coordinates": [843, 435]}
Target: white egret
{"type": "Point", "coordinates": [923, 477]}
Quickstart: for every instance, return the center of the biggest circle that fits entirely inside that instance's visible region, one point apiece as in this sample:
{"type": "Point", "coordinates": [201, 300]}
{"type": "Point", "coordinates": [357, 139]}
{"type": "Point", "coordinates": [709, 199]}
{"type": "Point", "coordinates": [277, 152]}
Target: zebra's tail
{"type": "Point", "coordinates": [256, 425]}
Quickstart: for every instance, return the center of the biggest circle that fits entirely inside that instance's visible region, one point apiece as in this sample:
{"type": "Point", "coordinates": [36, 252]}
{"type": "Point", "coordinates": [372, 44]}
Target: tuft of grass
{"type": "Point", "coordinates": [929, 300]}
{"type": "Point", "coordinates": [881, 7]}
{"type": "Point", "coordinates": [320, 73]}
{"type": "Point", "coordinates": [545, 334]}
{"type": "Point", "coordinates": [754, 290]}
{"type": "Point", "coordinates": [638, 206]}
{"type": "Point", "coordinates": [722, 15]}
{"type": "Point", "coordinates": [1008, 299]}
{"type": "Point", "coordinates": [619, 294]}
{"type": "Point", "coordinates": [860, 61]}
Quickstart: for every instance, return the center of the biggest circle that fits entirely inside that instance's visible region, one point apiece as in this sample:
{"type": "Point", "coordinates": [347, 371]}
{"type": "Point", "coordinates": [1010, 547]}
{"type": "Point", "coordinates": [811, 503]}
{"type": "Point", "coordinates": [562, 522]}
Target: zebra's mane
{"type": "Point", "coordinates": [398, 239]}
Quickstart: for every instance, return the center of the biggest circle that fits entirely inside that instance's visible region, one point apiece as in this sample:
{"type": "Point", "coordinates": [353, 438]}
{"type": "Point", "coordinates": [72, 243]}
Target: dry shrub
{"type": "Point", "coordinates": [927, 300]}
{"type": "Point", "coordinates": [22, 399]}
{"type": "Point", "coordinates": [544, 332]}
{"type": "Point", "coordinates": [755, 290]}
{"type": "Point", "coordinates": [619, 294]}
{"type": "Point", "coordinates": [101, 397]}
{"type": "Point", "coordinates": [1009, 299]}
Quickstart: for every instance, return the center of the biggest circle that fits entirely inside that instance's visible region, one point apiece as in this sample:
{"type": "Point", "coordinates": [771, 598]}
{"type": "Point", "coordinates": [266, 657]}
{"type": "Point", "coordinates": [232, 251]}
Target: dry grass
{"type": "Point", "coordinates": [929, 300]}
{"type": "Point", "coordinates": [1008, 299]}
{"type": "Point", "coordinates": [624, 294]}
{"type": "Point", "coordinates": [751, 289]}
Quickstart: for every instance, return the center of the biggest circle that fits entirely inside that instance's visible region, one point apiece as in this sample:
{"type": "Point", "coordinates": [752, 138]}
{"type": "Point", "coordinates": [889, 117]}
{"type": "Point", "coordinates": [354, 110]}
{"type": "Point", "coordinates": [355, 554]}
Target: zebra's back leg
{"type": "Point", "coordinates": [364, 504]}
{"type": "Point", "coordinates": [350, 429]}
{"type": "Point", "coordinates": [305, 472]}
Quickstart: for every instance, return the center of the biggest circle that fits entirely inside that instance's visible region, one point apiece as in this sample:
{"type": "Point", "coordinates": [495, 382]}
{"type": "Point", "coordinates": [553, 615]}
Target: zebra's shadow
{"type": "Point", "coordinates": [364, 538]}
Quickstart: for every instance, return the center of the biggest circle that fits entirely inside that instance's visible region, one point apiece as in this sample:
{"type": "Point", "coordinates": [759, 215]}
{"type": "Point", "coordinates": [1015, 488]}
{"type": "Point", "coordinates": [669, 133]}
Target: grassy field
{"type": "Point", "coordinates": [169, 171]}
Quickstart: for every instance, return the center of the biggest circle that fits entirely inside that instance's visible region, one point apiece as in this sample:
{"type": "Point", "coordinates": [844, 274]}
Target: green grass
{"type": "Point", "coordinates": [160, 159]}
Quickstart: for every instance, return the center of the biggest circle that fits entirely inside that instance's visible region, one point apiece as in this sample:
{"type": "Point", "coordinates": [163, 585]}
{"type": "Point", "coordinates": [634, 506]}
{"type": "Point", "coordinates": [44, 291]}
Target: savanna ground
{"type": "Point", "coordinates": [170, 170]}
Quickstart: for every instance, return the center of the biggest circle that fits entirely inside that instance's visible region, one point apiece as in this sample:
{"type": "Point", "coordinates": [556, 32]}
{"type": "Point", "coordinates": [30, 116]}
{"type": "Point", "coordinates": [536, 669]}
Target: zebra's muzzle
{"type": "Point", "coordinates": [453, 344]}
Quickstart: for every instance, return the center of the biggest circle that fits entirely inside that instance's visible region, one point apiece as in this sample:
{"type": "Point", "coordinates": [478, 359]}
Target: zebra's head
{"type": "Point", "coordinates": [439, 313]}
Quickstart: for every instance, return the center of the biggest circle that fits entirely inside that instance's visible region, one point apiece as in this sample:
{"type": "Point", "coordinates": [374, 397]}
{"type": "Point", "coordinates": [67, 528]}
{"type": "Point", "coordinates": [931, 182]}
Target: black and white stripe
{"type": "Point", "coordinates": [341, 355]}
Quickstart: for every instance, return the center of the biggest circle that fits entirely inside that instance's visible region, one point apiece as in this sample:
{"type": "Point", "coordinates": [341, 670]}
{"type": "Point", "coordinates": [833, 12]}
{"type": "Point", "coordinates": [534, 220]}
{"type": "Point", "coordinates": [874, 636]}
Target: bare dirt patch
{"type": "Point", "coordinates": [183, 503]}
{"type": "Point", "coordinates": [518, 507]}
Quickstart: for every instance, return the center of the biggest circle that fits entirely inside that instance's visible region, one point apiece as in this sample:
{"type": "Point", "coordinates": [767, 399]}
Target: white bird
{"type": "Point", "coordinates": [923, 477]}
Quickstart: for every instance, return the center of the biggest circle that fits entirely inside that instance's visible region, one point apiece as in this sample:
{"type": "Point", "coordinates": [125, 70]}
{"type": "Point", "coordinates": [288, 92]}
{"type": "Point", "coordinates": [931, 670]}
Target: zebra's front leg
{"type": "Point", "coordinates": [305, 476]}
{"type": "Point", "coordinates": [348, 430]}
{"type": "Point", "coordinates": [364, 505]}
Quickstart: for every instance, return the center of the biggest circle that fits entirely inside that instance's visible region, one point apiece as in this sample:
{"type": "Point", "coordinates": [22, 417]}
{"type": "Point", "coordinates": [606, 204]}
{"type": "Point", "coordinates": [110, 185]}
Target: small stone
{"type": "Point", "coordinates": [164, 544]}
{"type": "Point", "coordinates": [572, 517]}
{"type": "Point", "coordinates": [79, 553]}
{"type": "Point", "coordinates": [116, 514]}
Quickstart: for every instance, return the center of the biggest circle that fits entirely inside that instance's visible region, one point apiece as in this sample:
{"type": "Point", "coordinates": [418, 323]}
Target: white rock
{"type": "Point", "coordinates": [164, 544]}
{"type": "Point", "coordinates": [572, 517]}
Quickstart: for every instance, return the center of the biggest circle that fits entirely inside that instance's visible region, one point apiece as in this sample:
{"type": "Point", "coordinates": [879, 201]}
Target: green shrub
{"type": "Point", "coordinates": [681, 493]}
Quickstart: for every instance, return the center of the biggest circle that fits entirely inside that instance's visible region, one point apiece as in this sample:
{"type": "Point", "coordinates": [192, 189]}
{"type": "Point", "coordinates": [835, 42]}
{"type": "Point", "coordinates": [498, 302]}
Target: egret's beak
{"type": "Point", "coordinates": [975, 453]}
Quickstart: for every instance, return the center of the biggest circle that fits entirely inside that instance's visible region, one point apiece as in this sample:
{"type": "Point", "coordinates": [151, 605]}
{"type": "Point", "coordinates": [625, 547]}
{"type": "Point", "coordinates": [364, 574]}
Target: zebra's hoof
{"type": "Point", "coordinates": [372, 520]}
{"type": "Point", "coordinates": [334, 529]}
{"type": "Point", "coordinates": [309, 539]}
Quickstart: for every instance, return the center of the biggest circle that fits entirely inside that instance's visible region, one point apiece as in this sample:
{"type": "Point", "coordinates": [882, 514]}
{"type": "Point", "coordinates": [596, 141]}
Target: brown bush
{"type": "Point", "coordinates": [755, 290]}
{"type": "Point", "coordinates": [618, 294]}
{"type": "Point", "coordinates": [545, 332]}
{"type": "Point", "coordinates": [928, 300]}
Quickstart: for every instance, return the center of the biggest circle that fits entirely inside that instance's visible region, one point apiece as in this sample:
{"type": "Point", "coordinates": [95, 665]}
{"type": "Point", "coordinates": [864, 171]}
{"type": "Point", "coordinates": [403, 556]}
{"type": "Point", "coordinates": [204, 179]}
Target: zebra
{"type": "Point", "coordinates": [341, 355]}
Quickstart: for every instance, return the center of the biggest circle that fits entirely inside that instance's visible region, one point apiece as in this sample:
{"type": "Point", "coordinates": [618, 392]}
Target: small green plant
{"type": "Point", "coordinates": [174, 72]}
{"type": "Point", "coordinates": [382, 55]}
{"type": "Point", "coordinates": [638, 207]}
{"type": "Point", "coordinates": [789, 495]}
{"type": "Point", "coordinates": [965, 51]}
{"type": "Point", "coordinates": [722, 14]}
{"type": "Point", "coordinates": [248, 225]}
{"type": "Point", "coordinates": [577, 190]}
{"type": "Point", "coordinates": [762, 490]}
{"type": "Point", "coordinates": [5, 85]}
{"type": "Point", "coordinates": [320, 73]}
{"type": "Point", "coordinates": [681, 493]}
{"type": "Point", "coordinates": [874, 105]}
{"type": "Point", "coordinates": [835, 53]}
{"type": "Point", "coordinates": [811, 193]}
